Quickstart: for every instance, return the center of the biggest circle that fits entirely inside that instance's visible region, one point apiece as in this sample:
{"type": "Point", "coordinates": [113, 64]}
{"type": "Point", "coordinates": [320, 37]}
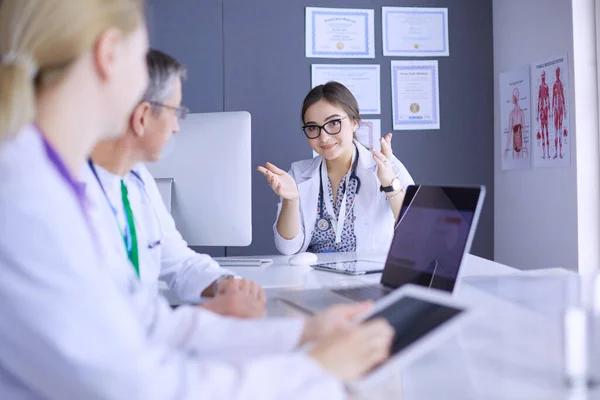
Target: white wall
{"type": "Point", "coordinates": [541, 213]}
{"type": "Point", "coordinates": [585, 50]}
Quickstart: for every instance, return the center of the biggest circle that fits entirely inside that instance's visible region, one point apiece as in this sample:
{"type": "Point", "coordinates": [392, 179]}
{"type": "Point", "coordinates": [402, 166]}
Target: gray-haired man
{"type": "Point", "coordinates": [142, 226]}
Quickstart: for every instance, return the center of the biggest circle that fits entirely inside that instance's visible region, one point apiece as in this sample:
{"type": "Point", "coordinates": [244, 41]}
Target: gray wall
{"type": "Point", "coordinates": [249, 55]}
{"type": "Point", "coordinates": [192, 31]}
{"type": "Point", "coordinates": [561, 203]}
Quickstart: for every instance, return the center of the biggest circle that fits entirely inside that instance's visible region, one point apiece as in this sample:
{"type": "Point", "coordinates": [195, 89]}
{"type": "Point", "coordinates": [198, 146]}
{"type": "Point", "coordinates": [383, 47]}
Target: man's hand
{"type": "Point", "coordinates": [238, 298]}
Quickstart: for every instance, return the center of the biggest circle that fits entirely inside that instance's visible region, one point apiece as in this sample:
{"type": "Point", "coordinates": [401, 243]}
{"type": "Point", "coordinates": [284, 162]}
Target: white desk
{"type": "Point", "coordinates": [513, 351]}
{"type": "Point", "coordinates": [281, 275]}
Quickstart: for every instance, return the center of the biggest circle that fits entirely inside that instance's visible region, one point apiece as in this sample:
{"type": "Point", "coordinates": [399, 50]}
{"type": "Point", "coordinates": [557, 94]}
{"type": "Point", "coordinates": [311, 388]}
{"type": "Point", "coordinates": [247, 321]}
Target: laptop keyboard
{"type": "Point", "coordinates": [362, 293]}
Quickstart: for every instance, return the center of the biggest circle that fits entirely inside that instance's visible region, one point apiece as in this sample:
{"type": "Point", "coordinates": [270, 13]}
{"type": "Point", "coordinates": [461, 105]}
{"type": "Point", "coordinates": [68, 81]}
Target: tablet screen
{"type": "Point", "coordinates": [414, 318]}
{"type": "Point", "coordinates": [354, 266]}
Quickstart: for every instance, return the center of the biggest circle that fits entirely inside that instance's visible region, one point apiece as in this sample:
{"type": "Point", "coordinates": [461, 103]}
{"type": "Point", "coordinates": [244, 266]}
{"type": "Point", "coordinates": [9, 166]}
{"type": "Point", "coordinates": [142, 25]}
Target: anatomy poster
{"type": "Point", "coordinates": [551, 111]}
{"type": "Point", "coordinates": [515, 143]}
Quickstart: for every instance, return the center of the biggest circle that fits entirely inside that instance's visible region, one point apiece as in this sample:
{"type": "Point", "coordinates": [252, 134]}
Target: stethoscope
{"type": "Point", "coordinates": [323, 224]}
{"type": "Point", "coordinates": [128, 237]}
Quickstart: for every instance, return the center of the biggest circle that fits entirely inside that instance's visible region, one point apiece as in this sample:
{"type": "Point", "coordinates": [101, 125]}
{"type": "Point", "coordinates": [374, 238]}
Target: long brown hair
{"type": "Point", "coordinates": [334, 93]}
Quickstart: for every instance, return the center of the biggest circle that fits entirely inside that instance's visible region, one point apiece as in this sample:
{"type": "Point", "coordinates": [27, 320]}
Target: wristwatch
{"type": "Point", "coordinates": [219, 279]}
{"type": "Point", "coordinates": [393, 187]}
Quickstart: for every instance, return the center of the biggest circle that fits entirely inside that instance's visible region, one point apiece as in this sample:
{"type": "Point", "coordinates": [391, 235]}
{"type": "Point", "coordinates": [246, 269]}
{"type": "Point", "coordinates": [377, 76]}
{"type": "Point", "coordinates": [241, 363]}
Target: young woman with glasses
{"type": "Point", "coordinates": [348, 197]}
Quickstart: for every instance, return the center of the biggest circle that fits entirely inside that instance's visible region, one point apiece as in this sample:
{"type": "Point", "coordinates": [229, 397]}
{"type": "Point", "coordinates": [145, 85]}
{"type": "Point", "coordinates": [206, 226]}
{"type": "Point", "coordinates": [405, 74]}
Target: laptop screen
{"type": "Point", "coordinates": [431, 236]}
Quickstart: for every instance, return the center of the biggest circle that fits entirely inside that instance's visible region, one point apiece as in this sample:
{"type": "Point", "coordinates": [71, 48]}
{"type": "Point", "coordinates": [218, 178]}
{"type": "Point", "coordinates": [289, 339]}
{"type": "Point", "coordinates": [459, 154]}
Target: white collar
{"type": "Point", "coordinates": [365, 161]}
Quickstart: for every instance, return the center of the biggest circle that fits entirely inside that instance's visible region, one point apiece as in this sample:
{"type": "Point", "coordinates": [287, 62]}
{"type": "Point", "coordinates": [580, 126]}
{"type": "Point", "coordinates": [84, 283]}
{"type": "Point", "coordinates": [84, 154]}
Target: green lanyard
{"type": "Point", "coordinates": [132, 247]}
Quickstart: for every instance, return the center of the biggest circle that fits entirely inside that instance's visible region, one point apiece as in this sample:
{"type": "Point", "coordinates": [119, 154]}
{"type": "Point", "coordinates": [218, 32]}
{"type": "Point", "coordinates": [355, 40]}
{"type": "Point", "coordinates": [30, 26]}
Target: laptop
{"type": "Point", "coordinates": [435, 230]}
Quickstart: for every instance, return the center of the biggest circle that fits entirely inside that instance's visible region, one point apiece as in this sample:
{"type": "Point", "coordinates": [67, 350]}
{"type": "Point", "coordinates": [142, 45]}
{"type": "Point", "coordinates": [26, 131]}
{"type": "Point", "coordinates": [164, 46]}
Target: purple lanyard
{"type": "Point", "coordinates": [77, 188]}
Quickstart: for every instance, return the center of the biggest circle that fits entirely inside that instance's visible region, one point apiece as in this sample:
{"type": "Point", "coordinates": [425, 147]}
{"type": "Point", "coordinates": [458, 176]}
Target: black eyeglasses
{"type": "Point", "coordinates": [180, 112]}
{"type": "Point", "coordinates": [332, 127]}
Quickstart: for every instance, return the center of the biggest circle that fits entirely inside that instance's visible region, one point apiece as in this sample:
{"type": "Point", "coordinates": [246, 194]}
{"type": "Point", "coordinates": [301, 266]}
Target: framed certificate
{"type": "Point", "coordinates": [415, 95]}
{"type": "Point", "coordinates": [415, 31]}
{"type": "Point", "coordinates": [340, 33]}
{"type": "Point", "coordinates": [362, 80]}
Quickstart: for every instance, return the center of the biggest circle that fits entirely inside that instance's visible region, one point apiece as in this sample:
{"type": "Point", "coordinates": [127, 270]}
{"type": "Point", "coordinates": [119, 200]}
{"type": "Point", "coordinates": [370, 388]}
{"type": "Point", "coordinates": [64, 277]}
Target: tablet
{"type": "Point", "coordinates": [354, 267]}
{"type": "Point", "coordinates": [422, 318]}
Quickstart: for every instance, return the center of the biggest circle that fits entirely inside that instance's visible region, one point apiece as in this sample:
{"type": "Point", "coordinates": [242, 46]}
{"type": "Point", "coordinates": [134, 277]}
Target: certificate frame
{"type": "Point", "coordinates": [313, 16]}
{"type": "Point", "coordinates": [416, 123]}
{"type": "Point", "coordinates": [414, 50]}
{"type": "Point", "coordinates": [343, 71]}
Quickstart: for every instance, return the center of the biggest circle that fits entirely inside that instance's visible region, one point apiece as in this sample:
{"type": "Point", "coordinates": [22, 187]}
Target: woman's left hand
{"type": "Point", "coordinates": [383, 159]}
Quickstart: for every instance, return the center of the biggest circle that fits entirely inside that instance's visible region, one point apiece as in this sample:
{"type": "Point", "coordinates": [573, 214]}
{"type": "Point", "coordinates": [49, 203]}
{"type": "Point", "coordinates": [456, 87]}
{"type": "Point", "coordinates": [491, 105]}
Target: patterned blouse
{"type": "Point", "coordinates": [324, 241]}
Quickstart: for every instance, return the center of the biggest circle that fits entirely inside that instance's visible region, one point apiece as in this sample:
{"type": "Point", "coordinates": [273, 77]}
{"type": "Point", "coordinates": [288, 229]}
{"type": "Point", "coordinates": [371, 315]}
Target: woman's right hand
{"type": "Point", "coordinates": [352, 353]}
{"type": "Point", "coordinates": [281, 182]}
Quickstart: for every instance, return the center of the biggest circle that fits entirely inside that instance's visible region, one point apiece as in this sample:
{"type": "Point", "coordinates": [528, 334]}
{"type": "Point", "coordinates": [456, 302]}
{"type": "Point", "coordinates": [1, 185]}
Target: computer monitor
{"type": "Point", "coordinates": [207, 169]}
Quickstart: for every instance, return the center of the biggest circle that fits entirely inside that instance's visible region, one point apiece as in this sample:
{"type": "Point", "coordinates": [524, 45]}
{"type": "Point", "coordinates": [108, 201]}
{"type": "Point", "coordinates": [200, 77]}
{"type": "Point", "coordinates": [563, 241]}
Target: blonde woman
{"type": "Point", "coordinates": [74, 324]}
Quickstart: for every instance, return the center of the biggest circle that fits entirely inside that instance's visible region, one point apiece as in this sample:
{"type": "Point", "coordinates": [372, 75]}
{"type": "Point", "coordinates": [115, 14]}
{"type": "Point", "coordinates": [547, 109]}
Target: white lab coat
{"type": "Point", "coordinates": [76, 326]}
{"type": "Point", "coordinates": [186, 272]}
{"type": "Point", "coordinates": [374, 224]}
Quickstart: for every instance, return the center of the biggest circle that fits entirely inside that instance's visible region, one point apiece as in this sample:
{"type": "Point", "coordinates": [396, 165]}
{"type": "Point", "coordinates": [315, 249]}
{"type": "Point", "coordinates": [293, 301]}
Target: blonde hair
{"type": "Point", "coordinates": [39, 41]}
